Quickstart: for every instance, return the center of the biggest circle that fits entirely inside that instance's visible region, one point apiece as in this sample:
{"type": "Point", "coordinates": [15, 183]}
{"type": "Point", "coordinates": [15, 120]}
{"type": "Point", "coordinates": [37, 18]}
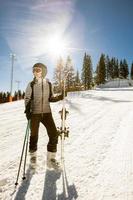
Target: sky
{"type": "Point", "coordinates": [91, 26]}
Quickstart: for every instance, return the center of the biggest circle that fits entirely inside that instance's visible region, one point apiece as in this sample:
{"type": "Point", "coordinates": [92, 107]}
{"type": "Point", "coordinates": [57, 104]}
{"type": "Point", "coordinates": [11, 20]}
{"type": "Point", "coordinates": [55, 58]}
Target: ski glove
{"type": "Point", "coordinates": [58, 97]}
{"type": "Point", "coordinates": [28, 115]}
{"type": "Point", "coordinates": [28, 110]}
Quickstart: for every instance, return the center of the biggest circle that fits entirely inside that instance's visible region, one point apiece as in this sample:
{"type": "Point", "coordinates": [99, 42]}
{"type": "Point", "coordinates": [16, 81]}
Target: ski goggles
{"type": "Point", "coordinates": [37, 70]}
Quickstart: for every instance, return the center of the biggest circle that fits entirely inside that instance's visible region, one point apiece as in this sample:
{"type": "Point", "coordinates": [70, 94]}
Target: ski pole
{"type": "Point", "coordinates": [27, 128]}
{"type": "Point", "coordinates": [24, 177]}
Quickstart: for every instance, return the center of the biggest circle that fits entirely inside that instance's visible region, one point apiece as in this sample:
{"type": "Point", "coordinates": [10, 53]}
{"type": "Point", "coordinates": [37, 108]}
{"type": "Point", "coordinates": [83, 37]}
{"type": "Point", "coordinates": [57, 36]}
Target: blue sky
{"type": "Point", "coordinates": [92, 26]}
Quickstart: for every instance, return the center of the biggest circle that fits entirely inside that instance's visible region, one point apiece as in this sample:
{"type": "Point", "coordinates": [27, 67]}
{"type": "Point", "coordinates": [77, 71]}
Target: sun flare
{"type": "Point", "coordinates": [56, 46]}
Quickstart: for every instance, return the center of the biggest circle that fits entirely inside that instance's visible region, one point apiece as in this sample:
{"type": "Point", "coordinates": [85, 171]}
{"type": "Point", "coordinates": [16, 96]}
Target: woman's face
{"type": "Point", "coordinates": [37, 71]}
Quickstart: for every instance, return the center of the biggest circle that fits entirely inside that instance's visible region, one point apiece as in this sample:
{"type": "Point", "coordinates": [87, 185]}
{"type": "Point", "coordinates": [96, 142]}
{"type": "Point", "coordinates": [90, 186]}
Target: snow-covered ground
{"type": "Point", "coordinates": [117, 83]}
{"type": "Point", "coordinates": [98, 152]}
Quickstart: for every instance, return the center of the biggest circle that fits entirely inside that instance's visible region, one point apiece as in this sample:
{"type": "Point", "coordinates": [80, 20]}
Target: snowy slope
{"type": "Point", "coordinates": [117, 83]}
{"type": "Point", "coordinates": [98, 153]}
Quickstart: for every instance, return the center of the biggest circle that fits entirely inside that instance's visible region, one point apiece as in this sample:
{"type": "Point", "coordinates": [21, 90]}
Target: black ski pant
{"type": "Point", "coordinates": [47, 120]}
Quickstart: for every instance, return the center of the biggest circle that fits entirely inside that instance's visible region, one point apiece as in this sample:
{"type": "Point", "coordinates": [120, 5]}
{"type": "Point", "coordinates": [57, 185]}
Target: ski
{"type": "Point", "coordinates": [63, 131]}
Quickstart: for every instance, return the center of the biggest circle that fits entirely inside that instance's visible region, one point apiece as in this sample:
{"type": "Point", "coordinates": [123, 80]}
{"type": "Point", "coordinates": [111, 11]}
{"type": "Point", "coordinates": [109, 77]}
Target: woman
{"type": "Point", "coordinates": [38, 96]}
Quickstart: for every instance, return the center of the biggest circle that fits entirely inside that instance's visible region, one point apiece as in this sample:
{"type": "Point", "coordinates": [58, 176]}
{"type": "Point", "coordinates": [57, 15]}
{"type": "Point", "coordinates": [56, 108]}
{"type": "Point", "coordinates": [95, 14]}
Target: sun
{"type": "Point", "coordinates": [56, 46]}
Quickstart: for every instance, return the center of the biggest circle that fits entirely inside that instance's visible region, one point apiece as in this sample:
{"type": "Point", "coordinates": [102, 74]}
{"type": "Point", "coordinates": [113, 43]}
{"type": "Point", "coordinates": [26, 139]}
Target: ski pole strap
{"type": "Point", "coordinates": [29, 122]}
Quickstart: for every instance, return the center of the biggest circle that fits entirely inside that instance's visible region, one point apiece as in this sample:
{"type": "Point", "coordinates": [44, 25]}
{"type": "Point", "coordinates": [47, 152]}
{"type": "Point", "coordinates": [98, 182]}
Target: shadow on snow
{"type": "Point", "coordinates": [22, 190]}
{"type": "Point", "coordinates": [50, 189]}
{"type": "Point", "coordinates": [102, 98]}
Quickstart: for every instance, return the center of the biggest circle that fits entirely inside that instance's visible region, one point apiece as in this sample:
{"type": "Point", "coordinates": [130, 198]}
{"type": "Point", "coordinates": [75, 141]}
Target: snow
{"type": "Point", "coordinates": [98, 152]}
{"type": "Point", "coordinates": [117, 83]}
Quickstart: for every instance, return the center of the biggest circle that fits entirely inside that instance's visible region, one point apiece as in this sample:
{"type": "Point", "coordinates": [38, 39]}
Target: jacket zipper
{"type": "Point", "coordinates": [42, 97]}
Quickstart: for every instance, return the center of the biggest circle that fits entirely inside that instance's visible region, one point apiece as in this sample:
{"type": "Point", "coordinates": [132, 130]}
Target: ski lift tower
{"type": "Point", "coordinates": [13, 58]}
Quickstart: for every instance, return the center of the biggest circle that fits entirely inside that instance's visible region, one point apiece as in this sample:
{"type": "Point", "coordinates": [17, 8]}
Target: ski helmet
{"type": "Point", "coordinates": [42, 66]}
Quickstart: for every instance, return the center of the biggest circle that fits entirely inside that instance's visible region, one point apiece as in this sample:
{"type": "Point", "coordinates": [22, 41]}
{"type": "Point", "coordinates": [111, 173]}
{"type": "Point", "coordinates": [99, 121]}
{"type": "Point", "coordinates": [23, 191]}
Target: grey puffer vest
{"type": "Point", "coordinates": [41, 92]}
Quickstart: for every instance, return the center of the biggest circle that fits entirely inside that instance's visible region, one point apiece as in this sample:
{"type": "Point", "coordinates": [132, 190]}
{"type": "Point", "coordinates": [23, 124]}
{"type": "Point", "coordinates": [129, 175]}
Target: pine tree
{"type": "Point", "coordinates": [77, 78]}
{"type": "Point", "coordinates": [87, 71]}
{"type": "Point", "coordinates": [124, 69]}
{"type": "Point", "coordinates": [23, 95]}
{"type": "Point", "coordinates": [1, 97]}
{"type": "Point", "coordinates": [83, 75]}
{"type": "Point", "coordinates": [8, 95]}
{"type": "Point", "coordinates": [115, 68]}
{"type": "Point", "coordinates": [77, 81]}
{"type": "Point", "coordinates": [15, 96]}
{"type": "Point", "coordinates": [4, 97]}
{"type": "Point", "coordinates": [121, 71]}
{"type": "Point", "coordinates": [108, 68]}
{"type": "Point", "coordinates": [131, 71]}
{"type": "Point", "coordinates": [19, 95]}
{"type": "Point", "coordinates": [101, 70]}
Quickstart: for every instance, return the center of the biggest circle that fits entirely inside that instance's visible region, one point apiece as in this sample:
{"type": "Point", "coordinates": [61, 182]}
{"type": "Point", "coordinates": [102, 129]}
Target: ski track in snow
{"type": "Point", "coordinates": [98, 152]}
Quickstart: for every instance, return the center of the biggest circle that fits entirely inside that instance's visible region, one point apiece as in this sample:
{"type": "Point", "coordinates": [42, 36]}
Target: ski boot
{"type": "Point", "coordinates": [52, 163]}
{"type": "Point", "coordinates": [33, 159]}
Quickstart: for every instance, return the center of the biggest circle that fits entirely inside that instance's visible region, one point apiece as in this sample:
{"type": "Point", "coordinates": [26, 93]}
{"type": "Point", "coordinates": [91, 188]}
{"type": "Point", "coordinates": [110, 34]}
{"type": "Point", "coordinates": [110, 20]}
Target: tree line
{"type": "Point", "coordinates": [106, 69]}
{"type": "Point", "coordinates": [65, 71]}
{"type": "Point", "coordinates": [4, 96]}
{"type": "Point", "coordinates": [112, 68]}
